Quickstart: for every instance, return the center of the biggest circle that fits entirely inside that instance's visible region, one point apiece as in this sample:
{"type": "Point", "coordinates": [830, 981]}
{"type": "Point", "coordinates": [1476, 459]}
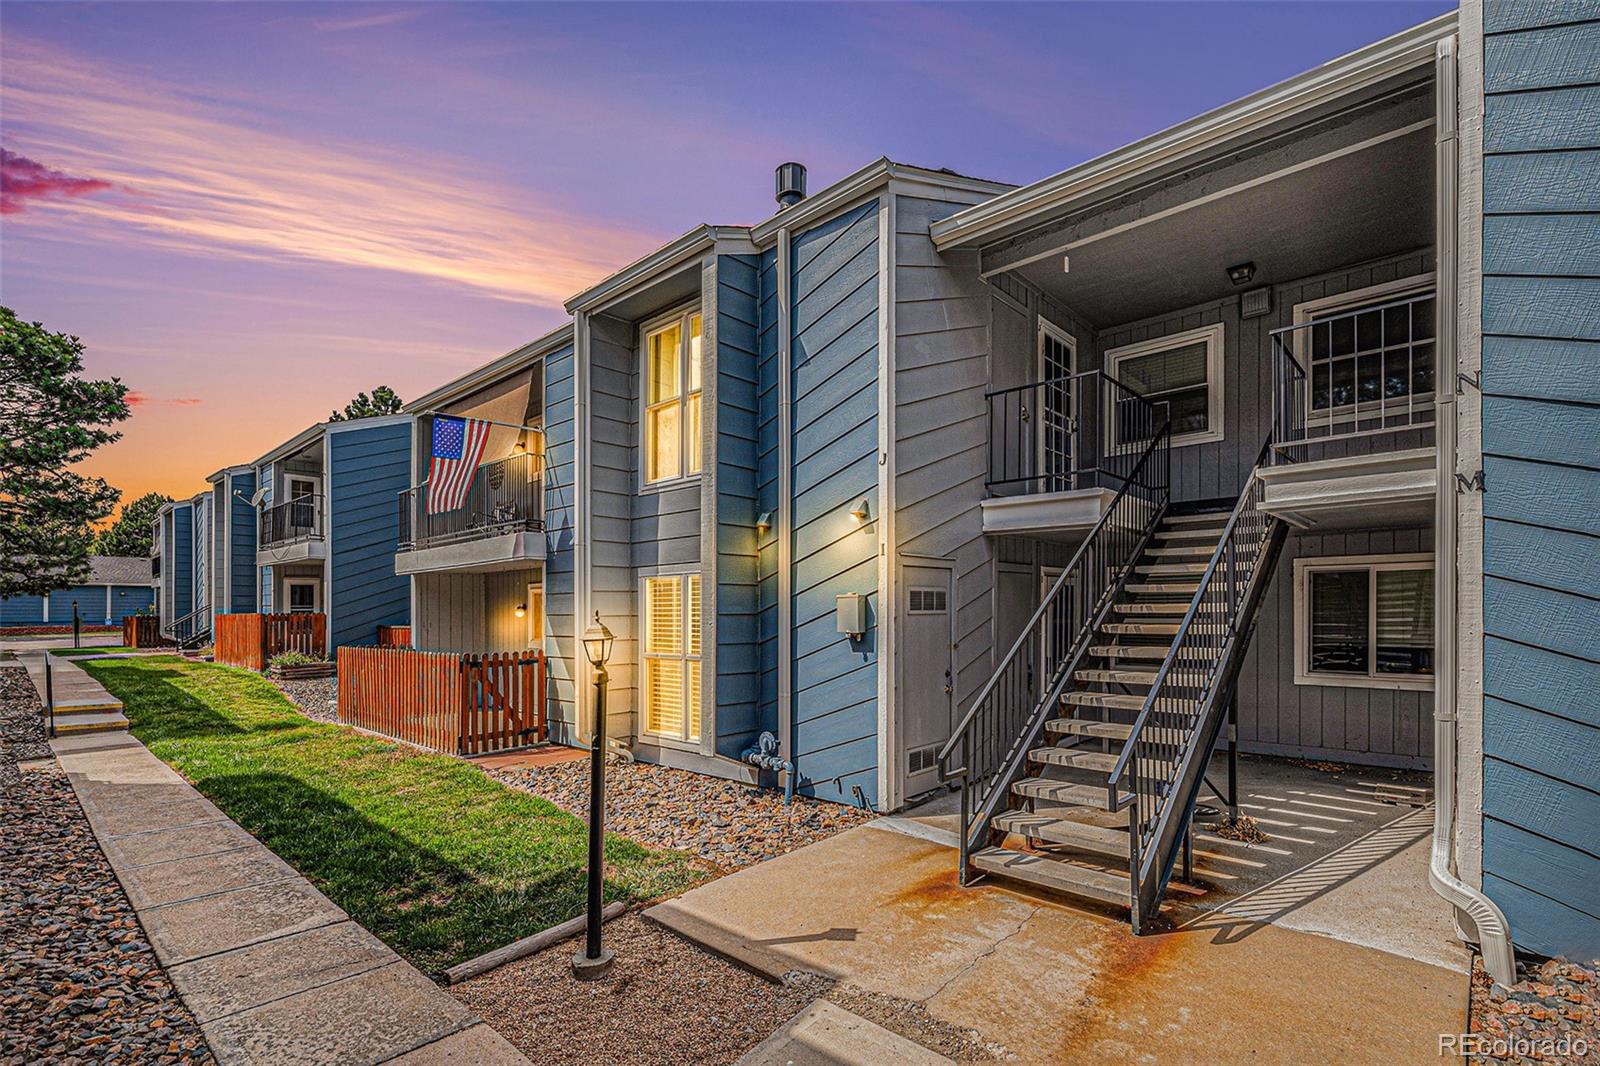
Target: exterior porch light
{"type": "Point", "coordinates": [1242, 273]}
{"type": "Point", "coordinates": [859, 512]}
{"type": "Point", "coordinates": [764, 521]}
{"type": "Point", "coordinates": [522, 610]}
{"type": "Point", "coordinates": [593, 961]}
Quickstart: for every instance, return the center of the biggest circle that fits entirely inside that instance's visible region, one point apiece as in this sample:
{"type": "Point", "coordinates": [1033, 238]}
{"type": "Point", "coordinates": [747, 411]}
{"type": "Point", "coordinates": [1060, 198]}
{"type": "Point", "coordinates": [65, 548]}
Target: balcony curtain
{"type": "Point", "coordinates": [505, 401]}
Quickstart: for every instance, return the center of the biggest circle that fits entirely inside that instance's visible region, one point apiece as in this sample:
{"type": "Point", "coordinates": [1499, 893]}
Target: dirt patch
{"type": "Point", "coordinates": [1551, 1015]}
{"type": "Point", "coordinates": [728, 824]}
{"type": "Point", "coordinates": [665, 1001]}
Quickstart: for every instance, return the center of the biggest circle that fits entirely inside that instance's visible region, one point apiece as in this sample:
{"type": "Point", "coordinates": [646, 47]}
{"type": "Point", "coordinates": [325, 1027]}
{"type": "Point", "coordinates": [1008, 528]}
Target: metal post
{"type": "Point", "coordinates": [1233, 754]}
{"type": "Point", "coordinates": [49, 694]}
{"type": "Point", "coordinates": [594, 961]}
{"type": "Point", "coordinates": [77, 626]}
{"type": "Point", "coordinates": [1188, 850]}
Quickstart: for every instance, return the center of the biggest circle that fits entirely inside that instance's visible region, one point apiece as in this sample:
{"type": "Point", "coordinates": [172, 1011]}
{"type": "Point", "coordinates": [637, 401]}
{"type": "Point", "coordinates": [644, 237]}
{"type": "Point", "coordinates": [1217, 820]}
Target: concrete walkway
{"type": "Point", "coordinates": [82, 704]}
{"type": "Point", "coordinates": [880, 910]}
{"type": "Point", "coordinates": [271, 969]}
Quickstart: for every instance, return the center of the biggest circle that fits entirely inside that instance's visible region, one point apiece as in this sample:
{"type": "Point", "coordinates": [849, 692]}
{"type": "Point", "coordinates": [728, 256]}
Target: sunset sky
{"type": "Point", "coordinates": [250, 212]}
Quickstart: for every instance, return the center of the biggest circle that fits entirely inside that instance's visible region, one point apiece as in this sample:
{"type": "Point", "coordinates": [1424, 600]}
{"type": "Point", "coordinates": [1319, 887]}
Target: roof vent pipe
{"type": "Point", "coordinates": [791, 184]}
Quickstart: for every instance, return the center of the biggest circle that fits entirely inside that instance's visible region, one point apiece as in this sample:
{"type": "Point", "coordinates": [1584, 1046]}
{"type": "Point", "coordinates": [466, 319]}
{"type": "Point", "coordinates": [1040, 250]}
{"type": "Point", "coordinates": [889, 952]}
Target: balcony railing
{"type": "Point", "coordinates": [291, 521]}
{"type": "Point", "coordinates": [1084, 430]}
{"type": "Point", "coordinates": [506, 496]}
{"type": "Point", "coordinates": [1367, 373]}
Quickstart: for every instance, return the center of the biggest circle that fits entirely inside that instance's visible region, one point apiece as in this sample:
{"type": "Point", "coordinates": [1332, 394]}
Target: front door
{"type": "Point", "coordinates": [1056, 356]}
{"type": "Point", "coordinates": [927, 671]}
{"type": "Point", "coordinates": [305, 595]}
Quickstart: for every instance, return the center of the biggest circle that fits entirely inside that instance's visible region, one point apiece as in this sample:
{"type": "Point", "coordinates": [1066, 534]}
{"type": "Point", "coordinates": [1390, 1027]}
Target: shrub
{"type": "Point", "coordinates": [294, 658]}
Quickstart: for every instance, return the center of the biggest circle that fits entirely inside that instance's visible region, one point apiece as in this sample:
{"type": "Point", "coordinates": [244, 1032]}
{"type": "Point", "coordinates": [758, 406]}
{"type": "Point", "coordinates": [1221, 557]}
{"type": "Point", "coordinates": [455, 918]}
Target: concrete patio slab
{"type": "Point", "coordinates": [240, 980]}
{"type": "Point", "coordinates": [371, 1017]}
{"type": "Point", "coordinates": [825, 1034]}
{"type": "Point", "coordinates": [183, 842]}
{"type": "Point", "coordinates": [161, 883]}
{"type": "Point", "coordinates": [206, 925]}
{"type": "Point", "coordinates": [882, 911]}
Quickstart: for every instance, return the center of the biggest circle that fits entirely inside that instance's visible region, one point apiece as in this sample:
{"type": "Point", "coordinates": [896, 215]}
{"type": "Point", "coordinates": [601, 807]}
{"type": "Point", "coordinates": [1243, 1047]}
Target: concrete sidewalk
{"type": "Point", "coordinates": [272, 970]}
{"type": "Point", "coordinates": [880, 910]}
{"type": "Point", "coordinates": [82, 704]}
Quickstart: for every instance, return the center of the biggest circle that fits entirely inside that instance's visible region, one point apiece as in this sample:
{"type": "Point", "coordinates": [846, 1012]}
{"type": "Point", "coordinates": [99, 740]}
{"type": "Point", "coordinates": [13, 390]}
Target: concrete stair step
{"type": "Point", "coordinates": [1074, 759]}
{"type": "Point", "coordinates": [1164, 588]}
{"type": "Point", "coordinates": [1176, 608]}
{"type": "Point", "coordinates": [1103, 699]}
{"type": "Point", "coordinates": [1172, 568]}
{"type": "Point", "coordinates": [98, 722]}
{"type": "Point", "coordinates": [1156, 652]}
{"type": "Point", "coordinates": [1184, 551]}
{"type": "Point", "coordinates": [1070, 793]}
{"type": "Point", "coordinates": [1054, 874]}
{"type": "Point", "coordinates": [64, 710]}
{"type": "Point", "coordinates": [1088, 727]}
{"type": "Point", "coordinates": [1189, 521]}
{"type": "Point", "coordinates": [1208, 537]}
{"type": "Point", "coordinates": [1140, 629]}
{"type": "Point", "coordinates": [1116, 677]}
{"type": "Point", "coordinates": [1094, 839]}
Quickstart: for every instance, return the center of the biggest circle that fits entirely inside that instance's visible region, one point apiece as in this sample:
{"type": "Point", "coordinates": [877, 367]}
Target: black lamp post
{"type": "Point", "coordinates": [593, 961]}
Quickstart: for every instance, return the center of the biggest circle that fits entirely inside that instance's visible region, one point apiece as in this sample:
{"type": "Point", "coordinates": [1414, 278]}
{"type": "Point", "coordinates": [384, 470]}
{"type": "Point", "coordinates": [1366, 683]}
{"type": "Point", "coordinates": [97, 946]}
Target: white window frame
{"type": "Point", "coordinates": [1384, 292]}
{"type": "Point", "coordinates": [1373, 564]}
{"type": "Point", "coordinates": [1048, 330]}
{"type": "Point", "coordinates": [681, 739]}
{"type": "Point", "coordinates": [316, 594]}
{"type": "Point", "coordinates": [1213, 337]}
{"type": "Point", "coordinates": [534, 603]}
{"type": "Point", "coordinates": [682, 317]}
{"type": "Point", "coordinates": [290, 479]}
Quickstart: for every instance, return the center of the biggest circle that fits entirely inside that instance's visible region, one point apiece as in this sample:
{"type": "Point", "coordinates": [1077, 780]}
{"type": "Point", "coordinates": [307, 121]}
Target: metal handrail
{"type": "Point", "coordinates": [1154, 797]}
{"type": "Point", "coordinates": [1057, 433]}
{"type": "Point", "coordinates": [1053, 628]}
{"type": "Point", "coordinates": [300, 518]}
{"type": "Point", "coordinates": [1299, 423]}
{"type": "Point", "coordinates": [505, 495]}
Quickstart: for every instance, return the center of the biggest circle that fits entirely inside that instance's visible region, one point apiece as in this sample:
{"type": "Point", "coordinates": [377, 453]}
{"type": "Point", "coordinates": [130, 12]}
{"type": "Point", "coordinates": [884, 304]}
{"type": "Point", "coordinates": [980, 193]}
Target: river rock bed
{"type": "Point", "coordinates": [317, 698]}
{"type": "Point", "coordinates": [22, 735]}
{"type": "Point", "coordinates": [78, 981]}
{"type": "Point", "coordinates": [730, 825]}
{"type": "Point", "coordinates": [1551, 1015]}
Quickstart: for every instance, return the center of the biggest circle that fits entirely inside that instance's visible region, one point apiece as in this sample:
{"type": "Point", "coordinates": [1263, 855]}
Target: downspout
{"type": "Point", "coordinates": [783, 269]}
{"type": "Point", "coordinates": [1486, 920]}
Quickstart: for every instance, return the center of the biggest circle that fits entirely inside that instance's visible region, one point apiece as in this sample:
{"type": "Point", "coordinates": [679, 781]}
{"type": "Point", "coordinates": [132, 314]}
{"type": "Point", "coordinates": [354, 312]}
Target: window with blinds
{"type": "Point", "coordinates": [672, 399]}
{"type": "Point", "coordinates": [1364, 621]}
{"type": "Point", "coordinates": [1182, 371]}
{"type": "Point", "coordinates": [671, 617]}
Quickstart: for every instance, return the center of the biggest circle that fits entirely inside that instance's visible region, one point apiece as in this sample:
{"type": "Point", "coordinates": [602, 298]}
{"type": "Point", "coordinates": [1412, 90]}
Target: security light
{"type": "Point", "coordinates": [859, 511]}
{"type": "Point", "coordinates": [1241, 274]}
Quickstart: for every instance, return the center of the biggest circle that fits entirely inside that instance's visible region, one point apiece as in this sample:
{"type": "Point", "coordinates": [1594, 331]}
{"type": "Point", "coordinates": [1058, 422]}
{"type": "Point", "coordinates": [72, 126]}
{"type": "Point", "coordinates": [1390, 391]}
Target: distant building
{"type": "Point", "coordinates": [117, 587]}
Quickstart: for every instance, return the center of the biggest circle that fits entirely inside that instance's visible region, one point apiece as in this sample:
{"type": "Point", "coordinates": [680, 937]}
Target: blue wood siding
{"type": "Point", "coordinates": [1541, 418]}
{"type": "Point", "coordinates": [738, 681]}
{"type": "Point", "coordinates": [242, 545]}
{"type": "Point", "coordinates": [91, 604]}
{"type": "Point", "coordinates": [264, 589]}
{"type": "Point", "coordinates": [370, 467]}
{"type": "Point", "coordinates": [560, 641]}
{"type": "Point", "coordinates": [21, 610]}
{"type": "Point", "coordinates": [182, 560]}
{"type": "Point", "coordinates": [834, 404]}
{"type": "Point", "coordinates": [130, 599]}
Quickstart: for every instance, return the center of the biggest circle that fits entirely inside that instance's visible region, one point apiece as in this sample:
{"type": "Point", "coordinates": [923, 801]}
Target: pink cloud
{"type": "Point", "coordinates": [22, 179]}
{"type": "Point", "coordinates": [137, 399]}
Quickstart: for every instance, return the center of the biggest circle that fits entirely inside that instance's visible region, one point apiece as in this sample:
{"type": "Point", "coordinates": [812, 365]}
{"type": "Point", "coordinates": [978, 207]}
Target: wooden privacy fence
{"type": "Point", "coordinates": [454, 703]}
{"type": "Point", "coordinates": [394, 636]}
{"type": "Point", "coordinates": [142, 631]}
{"type": "Point", "coordinates": [251, 640]}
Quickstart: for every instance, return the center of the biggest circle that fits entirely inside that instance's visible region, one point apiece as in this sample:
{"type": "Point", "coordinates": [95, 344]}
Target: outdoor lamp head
{"type": "Point", "coordinates": [597, 642]}
{"type": "Point", "coordinates": [522, 610]}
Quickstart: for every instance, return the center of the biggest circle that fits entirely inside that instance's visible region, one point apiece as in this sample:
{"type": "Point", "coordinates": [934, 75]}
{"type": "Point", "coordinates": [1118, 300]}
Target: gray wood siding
{"type": "Point", "coordinates": [1379, 726]}
{"type": "Point", "coordinates": [1218, 470]}
{"type": "Point", "coordinates": [614, 450]}
{"type": "Point", "coordinates": [560, 643]}
{"type": "Point", "coordinates": [450, 613]}
{"type": "Point", "coordinates": [767, 483]}
{"type": "Point", "coordinates": [1541, 425]}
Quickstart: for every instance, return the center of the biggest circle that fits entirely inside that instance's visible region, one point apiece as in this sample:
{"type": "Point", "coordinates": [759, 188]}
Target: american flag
{"type": "Point", "coordinates": [457, 447]}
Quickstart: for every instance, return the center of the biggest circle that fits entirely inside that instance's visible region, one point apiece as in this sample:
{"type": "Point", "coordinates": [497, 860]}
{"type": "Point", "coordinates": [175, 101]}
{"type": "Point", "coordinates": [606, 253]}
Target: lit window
{"type": "Point", "coordinates": [535, 605]}
{"type": "Point", "coordinates": [672, 399]}
{"type": "Point", "coordinates": [672, 656]}
{"type": "Point", "coordinates": [1365, 622]}
{"type": "Point", "coordinates": [1182, 371]}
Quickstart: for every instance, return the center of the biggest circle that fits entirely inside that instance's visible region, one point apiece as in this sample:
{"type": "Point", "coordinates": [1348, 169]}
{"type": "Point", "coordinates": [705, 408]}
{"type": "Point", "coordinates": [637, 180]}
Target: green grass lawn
{"type": "Point", "coordinates": [104, 649]}
{"type": "Point", "coordinates": [437, 859]}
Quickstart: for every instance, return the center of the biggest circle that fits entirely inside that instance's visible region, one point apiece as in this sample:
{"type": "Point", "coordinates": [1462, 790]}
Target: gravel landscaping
{"type": "Point", "coordinates": [1551, 1015]}
{"type": "Point", "coordinates": [730, 825]}
{"type": "Point", "coordinates": [665, 1001]}
{"type": "Point", "coordinates": [22, 735]}
{"type": "Point", "coordinates": [317, 698]}
{"type": "Point", "coordinates": [78, 981]}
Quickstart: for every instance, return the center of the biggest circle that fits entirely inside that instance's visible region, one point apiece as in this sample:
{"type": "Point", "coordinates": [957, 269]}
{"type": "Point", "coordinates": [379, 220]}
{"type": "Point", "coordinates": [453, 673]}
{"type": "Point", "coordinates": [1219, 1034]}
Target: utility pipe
{"type": "Point", "coordinates": [1487, 921]}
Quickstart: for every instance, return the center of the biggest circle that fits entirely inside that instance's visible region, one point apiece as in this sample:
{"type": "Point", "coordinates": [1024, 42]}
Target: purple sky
{"type": "Point", "coordinates": [249, 212]}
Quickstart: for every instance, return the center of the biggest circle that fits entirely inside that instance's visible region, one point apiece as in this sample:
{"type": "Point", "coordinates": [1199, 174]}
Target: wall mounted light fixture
{"type": "Point", "coordinates": [1242, 273]}
{"type": "Point", "coordinates": [522, 610]}
{"type": "Point", "coordinates": [764, 521]}
{"type": "Point", "coordinates": [859, 512]}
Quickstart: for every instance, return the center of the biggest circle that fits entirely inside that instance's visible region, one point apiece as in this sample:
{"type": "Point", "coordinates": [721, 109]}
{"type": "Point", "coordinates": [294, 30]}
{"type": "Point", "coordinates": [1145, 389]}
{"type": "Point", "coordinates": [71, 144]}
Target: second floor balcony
{"type": "Point", "coordinates": [292, 530]}
{"type": "Point", "coordinates": [499, 524]}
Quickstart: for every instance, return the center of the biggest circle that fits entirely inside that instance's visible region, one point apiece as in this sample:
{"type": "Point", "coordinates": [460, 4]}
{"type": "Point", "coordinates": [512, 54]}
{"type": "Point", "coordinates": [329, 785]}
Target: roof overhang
{"type": "Point", "coordinates": [514, 361]}
{"type": "Point", "coordinates": [665, 260]}
{"type": "Point", "coordinates": [1197, 139]}
{"type": "Point", "coordinates": [293, 444]}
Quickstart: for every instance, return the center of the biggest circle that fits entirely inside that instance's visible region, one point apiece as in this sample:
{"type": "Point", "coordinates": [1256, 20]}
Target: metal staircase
{"type": "Point", "coordinates": [1082, 759]}
{"type": "Point", "coordinates": [192, 631]}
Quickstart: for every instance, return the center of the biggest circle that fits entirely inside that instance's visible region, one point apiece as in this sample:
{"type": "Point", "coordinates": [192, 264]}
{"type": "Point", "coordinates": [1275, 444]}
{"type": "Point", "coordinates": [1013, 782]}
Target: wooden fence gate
{"type": "Point", "coordinates": [142, 631]}
{"type": "Point", "coordinates": [251, 640]}
{"type": "Point", "coordinates": [454, 703]}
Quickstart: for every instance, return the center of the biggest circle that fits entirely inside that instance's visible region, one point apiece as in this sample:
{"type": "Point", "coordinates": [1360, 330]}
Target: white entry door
{"type": "Point", "coordinates": [927, 671]}
{"type": "Point", "coordinates": [1057, 355]}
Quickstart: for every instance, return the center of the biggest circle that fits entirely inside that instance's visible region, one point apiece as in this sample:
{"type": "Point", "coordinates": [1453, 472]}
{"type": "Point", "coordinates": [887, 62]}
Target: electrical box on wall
{"type": "Point", "coordinates": [850, 612]}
